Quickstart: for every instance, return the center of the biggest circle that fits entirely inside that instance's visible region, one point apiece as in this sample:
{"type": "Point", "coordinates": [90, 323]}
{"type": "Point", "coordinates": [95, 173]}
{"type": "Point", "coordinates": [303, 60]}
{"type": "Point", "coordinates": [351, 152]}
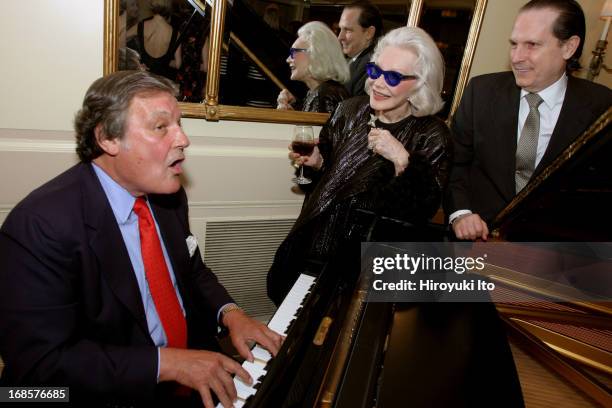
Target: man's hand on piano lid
{"type": "Point", "coordinates": [244, 331]}
{"type": "Point", "coordinates": [470, 227]}
{"type": "Point", "coordinates": [203, 371]}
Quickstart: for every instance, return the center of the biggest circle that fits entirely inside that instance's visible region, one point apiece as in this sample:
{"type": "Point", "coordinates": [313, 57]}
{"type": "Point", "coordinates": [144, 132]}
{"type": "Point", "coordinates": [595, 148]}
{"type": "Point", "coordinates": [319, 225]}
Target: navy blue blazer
{"type": "Point", "coordinates": [70, 311]}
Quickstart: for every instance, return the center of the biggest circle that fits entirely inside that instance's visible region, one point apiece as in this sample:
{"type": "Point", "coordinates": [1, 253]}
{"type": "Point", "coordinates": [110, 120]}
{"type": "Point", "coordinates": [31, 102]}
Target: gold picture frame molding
{"type": "Point", "coordinates": [211, 110]}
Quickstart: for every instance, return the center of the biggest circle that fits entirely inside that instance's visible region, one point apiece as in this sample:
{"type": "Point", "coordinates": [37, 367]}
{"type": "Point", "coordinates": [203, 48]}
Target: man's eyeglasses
{"type": "Point", "coordinates": [392, 78]}
{"type": "Point", "coordinates": [292, 51]}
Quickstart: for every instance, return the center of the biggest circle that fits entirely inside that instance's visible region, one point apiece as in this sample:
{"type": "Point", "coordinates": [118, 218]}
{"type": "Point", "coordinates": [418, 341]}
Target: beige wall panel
{"type": "Point", "coordinates": [226, 177]}
{"type": "Point", "coordinates": [18, 175]}
{"type": "Point", "coordinates": [51, 52]}
{"type": "Point", "coordinates": [238, 179]}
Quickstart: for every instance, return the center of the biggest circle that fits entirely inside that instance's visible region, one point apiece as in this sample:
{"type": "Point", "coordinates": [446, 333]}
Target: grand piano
{"type": "Point", "coordinates": [343, 351]}
{"type": "Point", "coordinates": [563, 349]}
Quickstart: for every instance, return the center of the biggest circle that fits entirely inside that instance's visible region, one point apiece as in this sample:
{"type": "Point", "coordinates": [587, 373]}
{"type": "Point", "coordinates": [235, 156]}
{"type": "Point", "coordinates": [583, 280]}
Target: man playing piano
{"type": "Point", "coordinates": [511, 125]}
{"type": "Point", "coordinates": [104, 289]}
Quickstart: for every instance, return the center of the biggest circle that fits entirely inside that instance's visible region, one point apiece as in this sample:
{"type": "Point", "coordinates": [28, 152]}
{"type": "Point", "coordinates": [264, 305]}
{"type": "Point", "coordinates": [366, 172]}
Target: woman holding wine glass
{"type": "Point", "coordinates": [303, 144]}
{"type": "Point", "coordinates": [385, 153]}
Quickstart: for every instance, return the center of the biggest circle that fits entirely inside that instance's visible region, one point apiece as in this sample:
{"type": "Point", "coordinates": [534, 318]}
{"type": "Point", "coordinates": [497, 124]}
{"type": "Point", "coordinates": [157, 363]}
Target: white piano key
{"type": "Point", "coordinates": [237, 404]}
{"type": "Point", "coordinates": [261, 354]}
{"type": "Point", "coordinates": [280, 323]}
{"type": "Point", "coordinates": [255, 369]}
{"type": "Point", "coordinates": [243, 389]}
{"type": "Point", "coordinates": [286, 313]}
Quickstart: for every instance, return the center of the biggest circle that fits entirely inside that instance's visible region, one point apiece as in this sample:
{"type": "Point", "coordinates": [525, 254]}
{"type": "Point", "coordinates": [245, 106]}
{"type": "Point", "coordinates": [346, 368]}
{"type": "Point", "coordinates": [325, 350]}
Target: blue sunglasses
{"type": "Point", "coordinates": [293, 51]}
{"type": "Point", "coordinates": [392, 78]}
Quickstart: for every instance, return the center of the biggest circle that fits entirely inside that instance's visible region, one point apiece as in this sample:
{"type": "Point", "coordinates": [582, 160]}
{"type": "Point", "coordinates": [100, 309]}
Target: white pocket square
{"type": "Point", "coordinates": [192, 244]}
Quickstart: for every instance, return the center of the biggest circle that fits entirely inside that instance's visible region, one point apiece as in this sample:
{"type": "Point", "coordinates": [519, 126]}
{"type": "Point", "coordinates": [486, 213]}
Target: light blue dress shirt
{"type": "Point", "coordinates": [122, 204]}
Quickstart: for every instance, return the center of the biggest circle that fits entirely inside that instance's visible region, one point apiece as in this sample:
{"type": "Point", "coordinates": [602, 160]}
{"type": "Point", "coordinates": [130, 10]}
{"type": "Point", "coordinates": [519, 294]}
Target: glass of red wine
{"type": "Point", "coordinates": [302, 144]}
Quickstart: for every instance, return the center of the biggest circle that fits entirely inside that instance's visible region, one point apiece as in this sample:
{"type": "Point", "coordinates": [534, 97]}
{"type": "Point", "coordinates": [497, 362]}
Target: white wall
{"type": "Point", "coordinates": [51, 51]}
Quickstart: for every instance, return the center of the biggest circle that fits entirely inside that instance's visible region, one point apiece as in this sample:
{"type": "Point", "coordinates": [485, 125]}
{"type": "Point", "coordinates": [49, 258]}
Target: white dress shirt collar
{"type": "Point", "coordinates": [554, 94]}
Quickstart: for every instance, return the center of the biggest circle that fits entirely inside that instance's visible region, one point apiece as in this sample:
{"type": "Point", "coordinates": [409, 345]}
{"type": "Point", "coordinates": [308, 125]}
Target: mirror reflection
{"type": "Point", "coordinates": [170, 38]}
{"type": "Point", "coordinates": [256, 68]}
{"type": "Point", "coordinates": [167, 37]}
{"type": "Point", "coordinates": [316, 59]}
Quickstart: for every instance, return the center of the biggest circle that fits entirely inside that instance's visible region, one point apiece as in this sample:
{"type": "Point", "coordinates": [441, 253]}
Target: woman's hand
{"type": "Point", "coordinates": [381, 142]}
{"type": "Point", "coordinates": [314, 160]}
{"type": "Point", "coordinates": [284, 100]}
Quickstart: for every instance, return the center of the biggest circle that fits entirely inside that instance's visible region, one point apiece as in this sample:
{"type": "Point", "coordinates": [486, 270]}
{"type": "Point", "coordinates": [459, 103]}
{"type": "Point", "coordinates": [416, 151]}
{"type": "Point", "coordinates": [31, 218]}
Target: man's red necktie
{"type": "Point", "coordinates": [158, 277]}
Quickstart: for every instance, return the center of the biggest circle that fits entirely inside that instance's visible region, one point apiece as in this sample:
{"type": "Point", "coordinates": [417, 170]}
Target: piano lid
{"type": "Point", "coordinates": [570, 200]}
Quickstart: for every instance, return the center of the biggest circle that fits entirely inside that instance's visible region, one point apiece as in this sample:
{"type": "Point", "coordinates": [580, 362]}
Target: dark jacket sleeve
{"type": "Point", "coordinates": [458, 193]}
{"type": "Point", "coordinates": [42, 341]}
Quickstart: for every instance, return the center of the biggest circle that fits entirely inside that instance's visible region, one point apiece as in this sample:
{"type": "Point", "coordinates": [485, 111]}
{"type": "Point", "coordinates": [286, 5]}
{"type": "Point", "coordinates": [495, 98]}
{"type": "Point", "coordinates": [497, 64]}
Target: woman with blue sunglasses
{"type": "Point", "coordinates": [384, 153]}
{"type": "Point", "coordinates": [316, 59]}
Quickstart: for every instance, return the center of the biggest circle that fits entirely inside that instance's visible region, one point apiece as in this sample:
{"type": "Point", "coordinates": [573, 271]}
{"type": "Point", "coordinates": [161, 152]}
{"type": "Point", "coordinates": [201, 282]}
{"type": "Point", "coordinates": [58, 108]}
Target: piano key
{"type": "Point", "coordinates": [281, 322]}
{"type": "Point", "coordinates": [236, 404]}
{"type": "Point", "coordinates": [255, 369]}
{"type": "Point", "coordinates": [243, 389]}
{"type": "Point", "coordinates": [261, 354]}
{"type": "Point", "coordinates": [290, 306]}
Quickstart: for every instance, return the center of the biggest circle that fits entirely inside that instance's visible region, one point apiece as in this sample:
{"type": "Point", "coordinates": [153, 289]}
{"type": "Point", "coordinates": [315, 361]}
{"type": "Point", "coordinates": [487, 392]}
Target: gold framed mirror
{"type": "Point", "coordinates": [415, 12]}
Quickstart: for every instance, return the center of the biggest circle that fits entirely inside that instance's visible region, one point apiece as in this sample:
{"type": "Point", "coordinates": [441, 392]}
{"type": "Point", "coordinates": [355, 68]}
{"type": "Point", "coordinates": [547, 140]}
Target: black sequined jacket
{"type": "Point", "coordinates": [353, 177]}
{"type": "Point", "coordinates": [325, 98]}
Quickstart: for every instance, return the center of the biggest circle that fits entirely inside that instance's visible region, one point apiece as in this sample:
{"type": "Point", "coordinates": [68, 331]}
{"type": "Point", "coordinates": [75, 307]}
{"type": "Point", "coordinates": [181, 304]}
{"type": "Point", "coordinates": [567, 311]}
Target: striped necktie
{"type": "Point", "coordinates": [528, 143]}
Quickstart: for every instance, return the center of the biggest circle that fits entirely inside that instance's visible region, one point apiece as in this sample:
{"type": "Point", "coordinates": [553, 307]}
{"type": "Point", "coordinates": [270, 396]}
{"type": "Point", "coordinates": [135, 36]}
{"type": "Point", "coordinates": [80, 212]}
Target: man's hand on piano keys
{"type": "Point", "coordinates": [203, 371]}
{"type": "Point", "coordinates": [244, 331]}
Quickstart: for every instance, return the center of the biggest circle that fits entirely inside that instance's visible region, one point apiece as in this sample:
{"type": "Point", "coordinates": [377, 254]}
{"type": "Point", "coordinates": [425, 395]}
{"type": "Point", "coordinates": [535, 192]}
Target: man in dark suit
{"type": "Point", "coordinates": [104, 289]}
{"type": "Point", "coordinates": [360, 27]}
{"type": "Point", "coordinates": [511, 125]}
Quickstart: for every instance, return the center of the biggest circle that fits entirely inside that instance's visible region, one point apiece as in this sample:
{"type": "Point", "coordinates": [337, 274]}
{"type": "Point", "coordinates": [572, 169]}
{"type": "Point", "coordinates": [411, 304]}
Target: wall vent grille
{"type": "Point", "coordinates": [240, 253]}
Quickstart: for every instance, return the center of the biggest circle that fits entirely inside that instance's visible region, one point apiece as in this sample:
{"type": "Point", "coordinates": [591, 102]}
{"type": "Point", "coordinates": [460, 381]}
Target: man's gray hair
{"type": "Point", "coordinates": [325, 53]}
{"type": "Point", "coordinates": [428, 67]}
{"type": "Point", "coordinates": [107, 102]}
